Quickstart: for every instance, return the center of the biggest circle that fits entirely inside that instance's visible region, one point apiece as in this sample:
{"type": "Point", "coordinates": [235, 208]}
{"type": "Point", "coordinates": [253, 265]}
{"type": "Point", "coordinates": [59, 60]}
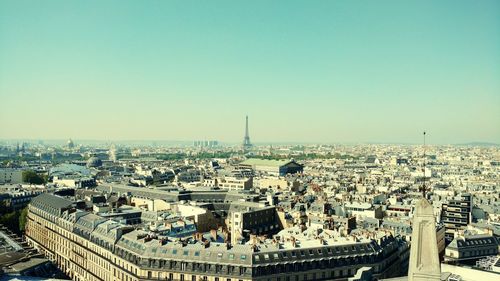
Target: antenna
{"type": "Point", "coordinates": [246, 127]}
{"type": "Point", "coordinates": [423, 187]}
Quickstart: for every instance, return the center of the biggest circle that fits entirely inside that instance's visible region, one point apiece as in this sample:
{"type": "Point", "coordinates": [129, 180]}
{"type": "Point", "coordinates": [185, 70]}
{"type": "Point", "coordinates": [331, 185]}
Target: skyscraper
{"type": "Point", "coordinates": [246, 140]}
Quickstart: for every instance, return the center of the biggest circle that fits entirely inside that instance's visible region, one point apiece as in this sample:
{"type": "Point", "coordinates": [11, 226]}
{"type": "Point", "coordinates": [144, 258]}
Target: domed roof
{"type": "Point", "coordinates": [94, 162]}
{"type": "Point", "coordinates": [70, 143]}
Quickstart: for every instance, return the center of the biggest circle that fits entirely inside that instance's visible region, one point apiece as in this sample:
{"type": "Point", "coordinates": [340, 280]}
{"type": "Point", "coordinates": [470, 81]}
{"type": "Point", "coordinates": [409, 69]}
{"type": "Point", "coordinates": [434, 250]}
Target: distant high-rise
{"type": "Point", "coordinates": [246, 140]}
{"type": "Point", "coordinates": [456, 214]}
{"type": "Point", "coordinates": [112, 153]}
{"type": "Point", "coordinates": [206, 143]}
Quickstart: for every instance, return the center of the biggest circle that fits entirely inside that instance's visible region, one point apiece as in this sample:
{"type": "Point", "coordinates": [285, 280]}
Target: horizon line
{"type": "Point", "coordinates": [253, 143]}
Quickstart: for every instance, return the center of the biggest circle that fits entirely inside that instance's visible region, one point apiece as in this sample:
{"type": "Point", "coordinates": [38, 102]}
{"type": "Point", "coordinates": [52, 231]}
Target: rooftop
{"type": "Point", "coordinates": [265, 162]}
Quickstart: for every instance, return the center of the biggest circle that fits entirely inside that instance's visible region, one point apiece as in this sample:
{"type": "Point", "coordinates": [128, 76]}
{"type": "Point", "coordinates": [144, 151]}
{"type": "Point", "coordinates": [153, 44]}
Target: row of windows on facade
{"type": "Point", "coordinates": [339, 273]}
{"type": "Point", "coordinates": [297, 267]}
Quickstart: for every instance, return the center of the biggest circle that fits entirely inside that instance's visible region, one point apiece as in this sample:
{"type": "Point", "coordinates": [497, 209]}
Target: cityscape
{"type": "Point", "coordinates": [239, 141]}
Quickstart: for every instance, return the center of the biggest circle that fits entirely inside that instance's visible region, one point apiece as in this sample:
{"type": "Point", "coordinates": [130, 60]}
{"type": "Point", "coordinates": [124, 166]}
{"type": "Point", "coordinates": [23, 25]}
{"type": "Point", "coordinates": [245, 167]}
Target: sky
{"type": "Point", "coordinates": [303, 71]}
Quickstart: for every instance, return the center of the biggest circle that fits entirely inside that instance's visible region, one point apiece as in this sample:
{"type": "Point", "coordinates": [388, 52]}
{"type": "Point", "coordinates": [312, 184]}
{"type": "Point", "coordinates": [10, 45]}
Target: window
{"type": "Point", "coordinates": [243, 257]}
{"type": "Point", "coordinates": [231, 256]}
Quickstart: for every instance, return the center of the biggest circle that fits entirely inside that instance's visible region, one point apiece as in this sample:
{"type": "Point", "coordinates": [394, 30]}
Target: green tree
{"type": "Point", "coordinates": [32, 177]}
{"type": "Point", "coordinates": [11, 221]}
{"type": "Point", "coordinates": [23, 219]}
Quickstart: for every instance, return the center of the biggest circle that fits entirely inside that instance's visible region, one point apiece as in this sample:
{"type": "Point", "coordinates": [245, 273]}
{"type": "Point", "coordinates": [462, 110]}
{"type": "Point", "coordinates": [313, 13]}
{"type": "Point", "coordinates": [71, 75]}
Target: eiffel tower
{"type": "Point", "coordinates": [246, 140]}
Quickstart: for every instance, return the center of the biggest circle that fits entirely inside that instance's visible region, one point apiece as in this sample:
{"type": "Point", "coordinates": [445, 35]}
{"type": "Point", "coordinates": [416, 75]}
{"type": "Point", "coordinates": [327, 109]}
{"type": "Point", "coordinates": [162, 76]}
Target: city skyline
{"type": "Point", "coordinates": [332, 72]}
{"type": "Point", "coordinates": [224, 140]}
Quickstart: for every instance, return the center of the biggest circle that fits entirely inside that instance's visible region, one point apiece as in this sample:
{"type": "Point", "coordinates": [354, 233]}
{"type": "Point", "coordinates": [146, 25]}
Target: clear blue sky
{"type": "Point", "coordinates": [307, 71]}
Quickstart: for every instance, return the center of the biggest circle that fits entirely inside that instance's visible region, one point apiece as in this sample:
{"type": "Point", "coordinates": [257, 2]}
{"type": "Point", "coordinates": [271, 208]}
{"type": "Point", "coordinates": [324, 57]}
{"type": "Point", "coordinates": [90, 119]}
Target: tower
{"type": "Point", "coordinates": [112, 153]}
{"type": "Point", "coordinates": [424, 255]}
{"type": "Point", "coordinates": [246, 140]}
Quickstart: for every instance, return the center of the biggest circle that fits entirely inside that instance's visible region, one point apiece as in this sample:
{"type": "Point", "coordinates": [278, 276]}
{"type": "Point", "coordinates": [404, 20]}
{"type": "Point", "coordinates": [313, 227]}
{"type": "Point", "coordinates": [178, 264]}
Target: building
{"type": "Point", "coordinates": [88, 247]}
{"type": "Point", "coordinates": [233, 183]}
{"type": "Point", "coordinates": [72, 175]}
{"type": "Point", "coordinates": [12, 176]}
{"type": "Point", "coordinates": [471, 248]}
{"type": "Point", "coordinates": [273, 167]}
{"type": "Point", "coordinates": [404, 228]}
{"type": "Point", "coordinates": [17, 261]}
{"type": "Point", "coordinates": [277, 183]}
{"type": "Point", "coordinates": [456, 214]}
{"type": "Point", "coordinates": [16, 198]}
{"type": "Point", "coordinates": [363, 210]}
{"type": "Point", "coordinates": [205, 143]}
{"type": "Point", "coordinates": [248, 219]}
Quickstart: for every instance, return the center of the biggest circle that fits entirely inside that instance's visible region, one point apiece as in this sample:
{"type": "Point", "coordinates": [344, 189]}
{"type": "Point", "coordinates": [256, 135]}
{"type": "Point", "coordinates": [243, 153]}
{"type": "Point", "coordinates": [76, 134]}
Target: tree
{"type": "Point", "coordinates": [32, 177]}
{"type": "Point", "coordinates": [23, 219]}
{"type": "Point", "coordinates": [10, 220]}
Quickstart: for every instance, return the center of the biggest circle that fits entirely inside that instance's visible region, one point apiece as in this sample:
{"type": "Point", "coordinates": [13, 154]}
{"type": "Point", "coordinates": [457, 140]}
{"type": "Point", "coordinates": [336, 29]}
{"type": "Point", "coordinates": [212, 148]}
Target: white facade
{"type": "Point", "coordinates": [11, 176]}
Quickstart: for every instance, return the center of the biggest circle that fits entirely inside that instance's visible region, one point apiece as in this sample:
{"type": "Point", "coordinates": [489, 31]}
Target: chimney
{"type": "Point", "coordinates": [253, 239]}
{"type": "Point", "coordinates": [213, 232]}
{"type": "Point", "coordinates": [199, 236]}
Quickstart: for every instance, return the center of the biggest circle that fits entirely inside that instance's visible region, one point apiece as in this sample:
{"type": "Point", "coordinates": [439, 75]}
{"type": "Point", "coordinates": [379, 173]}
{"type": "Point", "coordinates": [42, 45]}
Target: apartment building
{"type": "Point", "coordinates": [89, 247]}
